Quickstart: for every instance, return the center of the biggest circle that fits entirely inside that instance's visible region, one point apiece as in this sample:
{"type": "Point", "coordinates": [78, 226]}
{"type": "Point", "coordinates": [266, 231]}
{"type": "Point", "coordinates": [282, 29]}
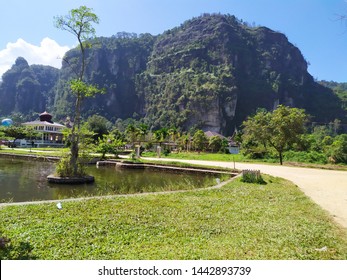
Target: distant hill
{"type": "Point", "coordinates": [211, 72]}
{"type": "Point", "coordinates": [27, 90]}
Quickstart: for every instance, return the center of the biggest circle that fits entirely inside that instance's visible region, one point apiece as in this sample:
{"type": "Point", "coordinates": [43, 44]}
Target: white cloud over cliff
{"type": "Point", "coordinates": [49, 52]}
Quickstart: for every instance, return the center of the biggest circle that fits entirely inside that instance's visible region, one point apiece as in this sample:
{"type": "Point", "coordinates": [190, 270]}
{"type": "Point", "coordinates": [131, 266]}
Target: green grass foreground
{"type": "Point", "coordinates": [240, 158]}
{"type": "Point", "coordinates": [238, 221]}
{"type": "Point", "coordinates": [200, 156]}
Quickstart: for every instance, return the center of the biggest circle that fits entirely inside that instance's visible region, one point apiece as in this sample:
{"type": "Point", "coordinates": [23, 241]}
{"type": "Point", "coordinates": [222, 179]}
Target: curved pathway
{"type": "Point", "coordinates": [328, 188]}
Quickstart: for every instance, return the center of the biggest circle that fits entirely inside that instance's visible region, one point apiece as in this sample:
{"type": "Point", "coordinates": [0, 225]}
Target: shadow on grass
{"type": "Point", "coordinates": [15, 251]}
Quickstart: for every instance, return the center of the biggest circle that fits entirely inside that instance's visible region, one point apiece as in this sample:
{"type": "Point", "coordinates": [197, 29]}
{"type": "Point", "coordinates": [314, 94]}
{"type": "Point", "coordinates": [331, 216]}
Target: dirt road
{"type": "Point", "coordinates": [328, 188]}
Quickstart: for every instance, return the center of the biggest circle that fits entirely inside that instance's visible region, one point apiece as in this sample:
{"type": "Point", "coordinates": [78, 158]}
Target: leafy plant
{"type": "Point", "coordinates": [252, 176]}
{"type": "Point", "coordinates": [109, 144]}
{"type": "Point", "coordinates": [65, 169]}
{"type": "Point", "coordinates": [279, 129]}
{"type": "Point", "coordinates": [10, 250]}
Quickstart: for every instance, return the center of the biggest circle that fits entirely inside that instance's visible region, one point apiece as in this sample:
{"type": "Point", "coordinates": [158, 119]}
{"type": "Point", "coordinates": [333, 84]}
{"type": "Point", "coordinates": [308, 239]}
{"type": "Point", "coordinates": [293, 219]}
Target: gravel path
{"type": "Point", "coordinates": [328, 188]}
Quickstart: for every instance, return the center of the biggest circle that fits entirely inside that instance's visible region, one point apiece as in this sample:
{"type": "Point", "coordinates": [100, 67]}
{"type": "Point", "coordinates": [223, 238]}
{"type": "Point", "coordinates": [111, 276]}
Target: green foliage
{"type": "Point", "coordinates": [12, 250]}
{"type": "Point", "coordinates": [109, 144]}
{"type": "Point", "coordinates": [200, 141]}
{"type": "Point", "coordinates": [99, 125]}
{"type": "Point", "coordinates": [16, 132]}
{"type": "Point", "coordinates": [338, 149]}
{"type": "Point", "coordinates": [132, 133]}
{"type": "Point", "coordinates": [83, 90]}
{"type": "Point", "coordinates": [161, 135]}
{"type": "Point", "coordinates": [323, 145]}
{"type": "Point", "coordinates": [252, 176]}
{"type": "Point", "coordinates": [305, 156]}
{"type": "Point", "coordinates": [215, 143]}
{"type": "Point", "coordinates": [79, 22]}
{"type": "Point", "coordinates": [166, 151]}
{"type": "Point", "coordinates": [340, 89]}
{"type": "Point", "coordinates": [280, 129]}
{"type": "Point", "coordinates": [27, 89]}
{"type": "Point", "coordinates": [64, 168]}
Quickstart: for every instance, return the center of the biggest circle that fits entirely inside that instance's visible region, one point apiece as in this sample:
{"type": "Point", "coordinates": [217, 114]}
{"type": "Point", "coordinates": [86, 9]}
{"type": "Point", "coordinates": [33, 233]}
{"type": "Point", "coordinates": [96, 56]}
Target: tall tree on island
{"type": "Point", "coordinates": [79, 22]}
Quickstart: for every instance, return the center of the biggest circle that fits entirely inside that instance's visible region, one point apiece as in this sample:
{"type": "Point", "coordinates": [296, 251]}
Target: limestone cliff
{"type": "Point", "coordinates": [211, 73]}
{"type": "Point", "coordinates": [27, 90]}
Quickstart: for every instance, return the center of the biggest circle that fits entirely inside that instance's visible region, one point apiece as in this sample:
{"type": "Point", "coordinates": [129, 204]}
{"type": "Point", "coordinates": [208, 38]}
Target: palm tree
{"type": "Point", "coordinates": [161, 134]}
{"type": "Point", "coordinates": [132, 132]}
{"type": "Point", "coordinates": [143, 131]}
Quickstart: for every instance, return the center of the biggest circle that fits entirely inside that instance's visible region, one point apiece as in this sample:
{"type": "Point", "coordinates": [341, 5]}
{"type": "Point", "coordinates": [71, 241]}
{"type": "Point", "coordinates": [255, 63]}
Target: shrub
{"type": "Point", "coordinates": [166, 151]}
{"type": "Point", "coordinates": [15, 250]}
{"type": "Point", "coordinates": [65, 169]}
{"type": "Point", "coordinates": [338, 150]}
{"type": "Point", "coordinates": [311, 157]}
{"type": "Point", "coordinates": [252, 176]}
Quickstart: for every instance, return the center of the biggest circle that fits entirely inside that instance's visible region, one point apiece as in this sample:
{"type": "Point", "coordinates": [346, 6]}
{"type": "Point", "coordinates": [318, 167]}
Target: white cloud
{"type": "Point", "coordinates": [49, 52]}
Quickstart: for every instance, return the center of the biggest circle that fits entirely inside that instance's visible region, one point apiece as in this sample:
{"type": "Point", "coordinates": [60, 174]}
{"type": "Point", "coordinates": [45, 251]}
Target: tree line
{"type": "Point", "coordinates": [283, 134]}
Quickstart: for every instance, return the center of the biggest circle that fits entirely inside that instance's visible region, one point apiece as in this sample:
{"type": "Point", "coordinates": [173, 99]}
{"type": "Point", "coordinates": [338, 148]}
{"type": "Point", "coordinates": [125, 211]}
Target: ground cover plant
{"type": "Point", "coordinates": [200, 156]}
{"type": "Point", "coordinates": [252, 176]}
{"type": "Point", "coordinates": [237, 221]}
{"type": "Point", "coordinates": [35, 151]}
{"type": "Point", "coordinates": [290, 157]}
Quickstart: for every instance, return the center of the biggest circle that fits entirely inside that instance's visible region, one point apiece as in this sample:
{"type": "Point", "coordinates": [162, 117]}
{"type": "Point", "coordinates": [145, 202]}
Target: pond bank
{"type": "Point", "coordinates": [171, 168]}
{"type": "Point", "coordinates": [24, 178]}
{"type": "Point", "coordinates": [30, 157]}
{"type": "Point", "coordinates": [218, 186]}
{"type": "Point", "coordinates": [121, 163]}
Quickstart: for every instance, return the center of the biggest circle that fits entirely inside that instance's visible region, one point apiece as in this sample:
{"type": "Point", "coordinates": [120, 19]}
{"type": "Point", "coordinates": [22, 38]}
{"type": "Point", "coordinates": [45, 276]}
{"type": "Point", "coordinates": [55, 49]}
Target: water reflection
{"type": "Point", "coordinates": [22, 180]}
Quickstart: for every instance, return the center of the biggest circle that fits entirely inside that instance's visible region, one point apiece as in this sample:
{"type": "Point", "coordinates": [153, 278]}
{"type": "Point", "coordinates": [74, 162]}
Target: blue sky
{"type": "Point", "coordinates": [26, 27]}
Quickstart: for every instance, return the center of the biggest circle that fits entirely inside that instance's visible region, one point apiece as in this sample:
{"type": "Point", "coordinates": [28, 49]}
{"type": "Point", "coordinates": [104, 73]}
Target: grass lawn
{"type": "Point", "coordinates": [200, 156]}
{"type": "Point", "coordinates": [34, 151]}
{"type": "Point", "coordinates": [238, 221]}
{"type": "Point", "coordinates": [241, 158]}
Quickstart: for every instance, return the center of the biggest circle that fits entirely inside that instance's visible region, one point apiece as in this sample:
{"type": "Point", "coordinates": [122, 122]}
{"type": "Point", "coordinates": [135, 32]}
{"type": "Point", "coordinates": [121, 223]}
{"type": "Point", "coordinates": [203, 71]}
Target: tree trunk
{"type": "Point", "coordinates": [75, 137]}
{"type": "Point", "coordinates": [281, 157]}
{"type": "Point", "coordinates": [74, 155]}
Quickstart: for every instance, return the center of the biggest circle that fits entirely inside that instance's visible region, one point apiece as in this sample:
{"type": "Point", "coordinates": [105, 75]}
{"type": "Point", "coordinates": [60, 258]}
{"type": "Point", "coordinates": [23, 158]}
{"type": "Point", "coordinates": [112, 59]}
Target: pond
{"type": "Point", "coordinates": [23, 180]}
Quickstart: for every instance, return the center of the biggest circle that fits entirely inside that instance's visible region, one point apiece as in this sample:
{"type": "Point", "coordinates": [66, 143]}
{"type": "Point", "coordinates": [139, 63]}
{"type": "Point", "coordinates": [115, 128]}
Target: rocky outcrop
{"type": "Point", "coordinates": [113, 64]}
{"type": "Point", "coordinates": [210, 73]}
{"type": "Point", "coordinates": [214, 71]}
{"type": "Point", "coordinates": [26, 90]}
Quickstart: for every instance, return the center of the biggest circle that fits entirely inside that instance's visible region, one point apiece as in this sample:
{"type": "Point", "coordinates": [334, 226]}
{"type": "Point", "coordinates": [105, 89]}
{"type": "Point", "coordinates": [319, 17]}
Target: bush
{"type": "Point", "coordinates": [166, 151]}
{"type": "Point", "coordinates": [65, 169]}
{"type": "Point", "coordinates": [252, 176]}
{"type": "Point", "coordinates": [338, 150]}
{"type": "Point", "coordinates": [311, 157]}
{"type": "Point", "coordinates": [15, 251]}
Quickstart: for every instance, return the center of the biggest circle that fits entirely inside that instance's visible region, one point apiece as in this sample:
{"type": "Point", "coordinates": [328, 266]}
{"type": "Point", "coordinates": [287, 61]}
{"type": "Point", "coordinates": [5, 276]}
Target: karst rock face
{"type": "Point", "coordinates": [210, 73]}
{"type": "Point", "coordinates": [214, 71]}
{"type": "Point", "coordinates": [26, 89]}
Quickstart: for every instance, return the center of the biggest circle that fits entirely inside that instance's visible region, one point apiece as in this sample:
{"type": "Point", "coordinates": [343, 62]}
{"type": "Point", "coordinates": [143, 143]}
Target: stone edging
{"type": "Point", "coordinates": [29, 157]}
{"type": "Point", "coordinates": [218, 186]}
{"type": "Point", "coordinates": [171, 168]}
{"type": "Point", "coordinates": [70, 180]}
